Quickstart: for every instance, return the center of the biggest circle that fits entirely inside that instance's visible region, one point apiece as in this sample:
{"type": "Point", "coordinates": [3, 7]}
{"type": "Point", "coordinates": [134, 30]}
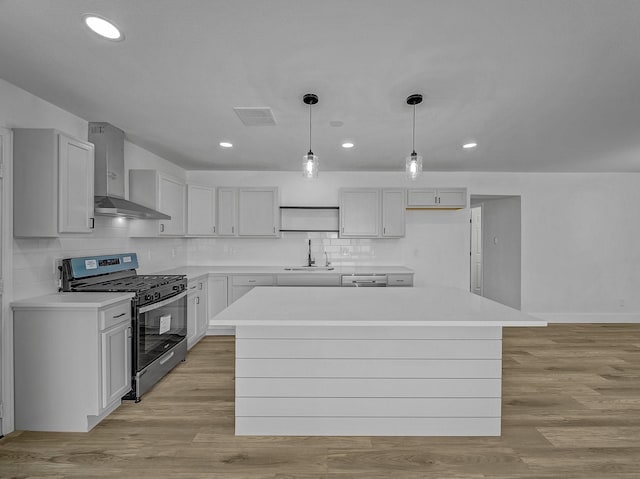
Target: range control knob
{"type": "Point", "coordinates": [148, 297]}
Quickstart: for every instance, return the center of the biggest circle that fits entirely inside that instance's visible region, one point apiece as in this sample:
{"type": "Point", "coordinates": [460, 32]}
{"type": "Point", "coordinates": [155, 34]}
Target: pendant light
{"type": "Point", "coordinates": [310, 161]}
{"type": "Point", "coordinates": [413, 164]}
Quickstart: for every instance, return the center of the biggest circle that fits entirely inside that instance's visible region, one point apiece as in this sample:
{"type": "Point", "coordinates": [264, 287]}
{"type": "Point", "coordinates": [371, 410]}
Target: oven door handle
{"type": "Point", "coordinates": [153, 306]}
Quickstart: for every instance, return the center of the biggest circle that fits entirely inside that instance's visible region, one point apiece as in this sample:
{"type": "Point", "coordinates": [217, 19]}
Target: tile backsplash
{"type": "Point", "coordinates": [35, 260]}
{"type": "Point", "coordinates": [292, 249]}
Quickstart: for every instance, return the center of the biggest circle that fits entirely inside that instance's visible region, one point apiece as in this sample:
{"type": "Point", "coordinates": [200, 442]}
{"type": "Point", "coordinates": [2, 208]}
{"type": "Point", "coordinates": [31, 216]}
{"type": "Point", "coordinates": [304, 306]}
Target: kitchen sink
{"type": "Point", "coordinates": [308, 268]}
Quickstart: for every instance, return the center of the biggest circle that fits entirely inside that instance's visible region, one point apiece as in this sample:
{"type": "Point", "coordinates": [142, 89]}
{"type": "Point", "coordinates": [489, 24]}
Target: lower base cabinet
{"type": "Point", "coordinates": [72, 365]}
{"type": "Point", "coordinates": [197, 314]}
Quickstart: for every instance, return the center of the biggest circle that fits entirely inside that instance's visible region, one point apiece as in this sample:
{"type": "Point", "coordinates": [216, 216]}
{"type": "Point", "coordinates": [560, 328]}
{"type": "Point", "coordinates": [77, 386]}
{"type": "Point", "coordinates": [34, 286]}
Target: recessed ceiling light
{"type": "Point", "coordinates": [103, 27]}
{"type": "Point", "coordinates": [347, 144]}
{"type": "Point", "coordinates": [471, 144]}
{"type": "Point", "coordinates": [226, 144]}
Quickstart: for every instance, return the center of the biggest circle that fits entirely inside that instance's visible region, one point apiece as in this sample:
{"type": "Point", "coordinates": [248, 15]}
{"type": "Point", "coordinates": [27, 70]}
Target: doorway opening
{"type": "Point", "coordinates": [495, 249]}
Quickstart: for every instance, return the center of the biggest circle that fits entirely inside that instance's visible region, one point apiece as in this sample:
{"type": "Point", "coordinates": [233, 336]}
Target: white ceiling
{"type": "Point", "coordinates": [541, 85]}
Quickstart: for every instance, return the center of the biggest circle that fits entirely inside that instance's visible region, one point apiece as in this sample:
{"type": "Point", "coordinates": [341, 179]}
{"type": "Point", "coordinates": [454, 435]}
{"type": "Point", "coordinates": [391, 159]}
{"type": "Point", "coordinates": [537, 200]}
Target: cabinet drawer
{"type": "Point", "coordinates": [252, 280]}
{"type": "Point", "coordinates": [117, 314]}
{"type": "Point", "coordinates": [196, 284]}
{"type": "Point", "coordinates": [399, 280]}
{"type": "Point", "coordinates": [311, 279]}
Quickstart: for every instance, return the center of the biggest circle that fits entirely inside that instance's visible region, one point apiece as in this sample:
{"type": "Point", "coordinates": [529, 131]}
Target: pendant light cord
{"type": "Point", "coordinates": [310, 152]}
{"type": "Point", "coordinates": [413, 139]}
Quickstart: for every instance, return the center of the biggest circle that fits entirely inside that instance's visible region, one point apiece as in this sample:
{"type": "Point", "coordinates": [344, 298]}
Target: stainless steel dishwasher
{"type": "Point", "coordinates": [364, 280]}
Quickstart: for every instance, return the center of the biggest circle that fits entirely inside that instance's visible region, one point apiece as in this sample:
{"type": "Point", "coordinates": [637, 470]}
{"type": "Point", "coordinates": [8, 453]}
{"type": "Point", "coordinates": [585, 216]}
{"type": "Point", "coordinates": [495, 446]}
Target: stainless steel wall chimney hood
{"type": "Point", "coordinates": [109, 176]}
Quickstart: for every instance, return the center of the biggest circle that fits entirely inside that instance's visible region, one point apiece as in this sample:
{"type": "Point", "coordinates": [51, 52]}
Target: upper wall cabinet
{"type": "Point", "coordinates": [201, 210]}
{"type": "Point", "coordinates": [248, 212]}
{"type": "Point", "coordinates": [372, 213]}
{"type": "Point", "coordinates": [52, 184]}
{"type": "Point", "coordinates": [437, 198]}
{"type": "Point", "coordinates": [161, 192]}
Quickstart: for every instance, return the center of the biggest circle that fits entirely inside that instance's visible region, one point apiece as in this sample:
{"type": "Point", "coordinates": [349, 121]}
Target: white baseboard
{"type": "Point", "coordinates": [221, 331]}
{"type": "Point", "coordinates": [588, 317]}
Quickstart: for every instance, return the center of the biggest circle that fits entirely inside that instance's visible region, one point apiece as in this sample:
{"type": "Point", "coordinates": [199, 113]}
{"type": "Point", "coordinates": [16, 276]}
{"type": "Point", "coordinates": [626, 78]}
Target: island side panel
{"type": "Point", "coordinates": [368, 380]}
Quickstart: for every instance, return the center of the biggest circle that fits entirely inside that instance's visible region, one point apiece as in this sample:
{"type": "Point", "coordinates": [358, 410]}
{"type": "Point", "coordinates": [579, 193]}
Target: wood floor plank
{"type": "Point", "coordinates": [570, 410]}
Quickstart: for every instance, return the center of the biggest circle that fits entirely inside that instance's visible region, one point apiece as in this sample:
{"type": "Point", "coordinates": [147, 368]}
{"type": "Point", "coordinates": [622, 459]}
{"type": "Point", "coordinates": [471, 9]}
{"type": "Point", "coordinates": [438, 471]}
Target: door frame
{"type": "Point", "coordinates": [6, 250]}
{"type": "Point", "coordinates": [480, 206]}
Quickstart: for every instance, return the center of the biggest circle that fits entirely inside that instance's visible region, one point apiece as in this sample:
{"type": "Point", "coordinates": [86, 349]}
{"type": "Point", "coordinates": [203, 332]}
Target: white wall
{"type": "Point", "coordinates": [580, 248]}
{"type": "Point", "coordinates": [34, 271]}
{"type": "Point", "coordinates": [501, 250]}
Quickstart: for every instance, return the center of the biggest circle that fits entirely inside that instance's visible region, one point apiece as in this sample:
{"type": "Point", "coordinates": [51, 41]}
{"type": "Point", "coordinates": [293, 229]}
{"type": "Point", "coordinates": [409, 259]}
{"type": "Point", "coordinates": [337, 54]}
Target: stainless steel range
{"type": "Point", "coordinates": [159, 311]}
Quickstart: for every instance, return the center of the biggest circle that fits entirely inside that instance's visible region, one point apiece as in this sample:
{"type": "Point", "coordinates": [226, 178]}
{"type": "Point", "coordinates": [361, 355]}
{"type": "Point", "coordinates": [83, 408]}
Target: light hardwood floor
{"type": "Point", "coordinates": [571, 409]}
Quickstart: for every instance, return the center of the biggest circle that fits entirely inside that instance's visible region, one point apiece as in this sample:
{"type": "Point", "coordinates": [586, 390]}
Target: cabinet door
{"type": "Point", "coordinates": [360, 213]}
{"type": "Point", "coordinates": [227, 212]}
{"type": "Point", "coordinates": [171, 194]}
{"type": "Point", "coordinates": [75, 191]}
{"type": "Point", "coordinates": [116, 363]}
{"type": "Point", "coordinates": [217, 298]}
{"type": "Point", "coordinates": [258, 212]}
{"type": "Point", "coordinates": [201, 210]}
{"type": "Point", "coordinates": [452, 197]}
{"type": "Point", "coordinates": [202, 319]}
{"type": "Point", "coordinates": [393, 212]}
{"type": "Point", "coordinates": [192, 316]}
{"type": "Point", "coordinates": [421, 198]}
{"type": "Point", "coordinates": [236, 292]}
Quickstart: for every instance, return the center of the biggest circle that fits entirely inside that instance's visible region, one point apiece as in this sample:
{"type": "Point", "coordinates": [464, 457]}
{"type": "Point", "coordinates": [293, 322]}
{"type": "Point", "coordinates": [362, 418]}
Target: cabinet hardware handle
{"type": "Point", "coordinates": [251, 281]}
{"type": "Point", "coordinates": [274, 229]}
{"type": "Point", "coordinates": [119, 315]}
{"type": "Point", "coordinates": [93, 223]}
{"type": "Point", "coordinates": [384, 231]}
{"type": "Point", "coordinates": [232, 229]}
{"type": "Point", "coordinates": [129, 332]}
{"type": "Point", "coordinates": [197, 299]}
{"type": "Point", "coordinates": [199, 285]}
{"type": "Point", "coordinates": [161, 227]}
{"type": "Point", "coordinates": [214, 229]}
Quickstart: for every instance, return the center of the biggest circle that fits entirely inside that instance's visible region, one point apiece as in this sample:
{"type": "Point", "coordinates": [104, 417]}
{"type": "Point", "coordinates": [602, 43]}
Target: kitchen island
{"type": "Point", "coordinates": [369, 361]}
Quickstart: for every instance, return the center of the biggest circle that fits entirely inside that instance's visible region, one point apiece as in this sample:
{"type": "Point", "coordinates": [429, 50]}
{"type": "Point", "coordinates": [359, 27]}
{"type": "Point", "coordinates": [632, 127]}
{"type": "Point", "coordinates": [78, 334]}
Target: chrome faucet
{"type": "Point", "coordinates": [327, 263]}
{"type": "Point", "coordinates": [310, 260]}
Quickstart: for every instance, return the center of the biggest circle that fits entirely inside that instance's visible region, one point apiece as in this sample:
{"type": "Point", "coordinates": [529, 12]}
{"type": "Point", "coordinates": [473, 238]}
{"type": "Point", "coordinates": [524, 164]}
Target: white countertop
{"type": "Point", "coordinates": [71, 300]}
{"type": "Point", "coordinates": [312, 306]}
{"type": "Point", "coordinates": [196, 271]}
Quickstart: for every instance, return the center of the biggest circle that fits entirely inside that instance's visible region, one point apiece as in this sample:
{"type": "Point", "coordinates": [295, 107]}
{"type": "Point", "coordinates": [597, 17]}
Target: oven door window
{"type": "Point", "coordinates": [160, 328]}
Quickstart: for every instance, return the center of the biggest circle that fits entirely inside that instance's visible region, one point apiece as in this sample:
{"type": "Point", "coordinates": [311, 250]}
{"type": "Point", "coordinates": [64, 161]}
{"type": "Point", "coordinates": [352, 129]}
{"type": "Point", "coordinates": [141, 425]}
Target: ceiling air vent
{"type": "Point", "coordinates": [252, 116]}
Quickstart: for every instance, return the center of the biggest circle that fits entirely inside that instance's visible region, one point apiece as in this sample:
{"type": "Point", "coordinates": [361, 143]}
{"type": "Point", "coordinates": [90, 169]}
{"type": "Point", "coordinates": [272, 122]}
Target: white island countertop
{"type": "Point", "coordinates": [312, 306]}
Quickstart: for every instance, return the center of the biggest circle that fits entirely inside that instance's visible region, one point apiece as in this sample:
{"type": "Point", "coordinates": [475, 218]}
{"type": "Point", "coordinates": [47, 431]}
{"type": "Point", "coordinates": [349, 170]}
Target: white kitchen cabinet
{"type": "Point", "coordinates": [248, 212]}
{"type": "Point", "coordinates": [437, 198]}
{"type": "Point", "coordinates": [52, 184]}
{"type": "Point", "coordinates": [372, 212]}
{"type": "Point", "coordinates": [360, 213]}
{"type": "Point", "coordinates": [239, 285]}
{"type": "Point", "coordinates": [258, 212]}
{"type": "Point", "coordinates": [74, 361]}
{"type": "Point", "coordinates": [399, 279]}
{"type": "Point", "coordinates": [197, 314]}
{"type": "Point", "coordinates": [217, 301]}
{"type": "Point", "coordinates": [162, 192]}
{"type": "Point", "coordinates": [394, 203]}
{"type": "Point", "coordinates": [227, 212]}
{"type": "Point", "coordinates": [201, 210]}
{"type": "Point", "coordinates": [116, 355]}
